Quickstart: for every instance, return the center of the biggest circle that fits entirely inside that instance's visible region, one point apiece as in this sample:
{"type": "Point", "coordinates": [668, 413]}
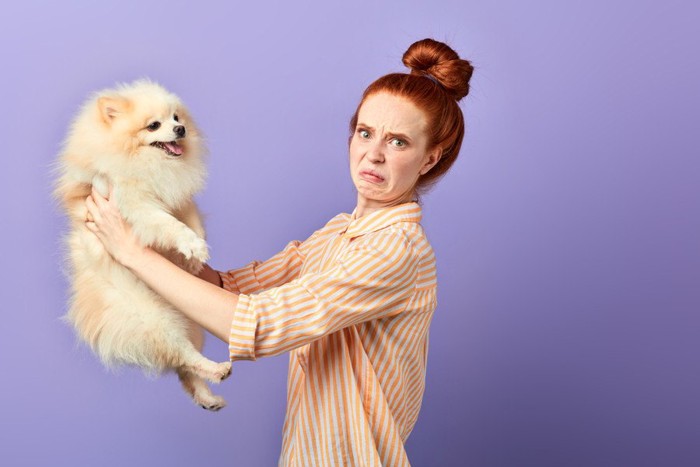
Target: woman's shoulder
{"type": "Point", "coordinates": [404, 238]}
{"type": "Point", "coordinates": [414, 234]}
{"type": "Point", "coordinates": [334, 226]}
{"type": "Point", "coordinates": [339, 221]}
{"type": "Point", "coordinates": [337, 224]}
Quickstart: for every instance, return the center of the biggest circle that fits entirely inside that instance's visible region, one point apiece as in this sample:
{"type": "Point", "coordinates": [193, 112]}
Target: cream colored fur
{"type": "Point", "coordinates": [121, 318]}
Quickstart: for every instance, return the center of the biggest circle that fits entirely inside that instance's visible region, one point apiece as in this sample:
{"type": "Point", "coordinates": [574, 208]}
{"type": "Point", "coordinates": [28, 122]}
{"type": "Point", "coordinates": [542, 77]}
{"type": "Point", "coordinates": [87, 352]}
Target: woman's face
{"type": "Point", "coordinates": [389, 151]}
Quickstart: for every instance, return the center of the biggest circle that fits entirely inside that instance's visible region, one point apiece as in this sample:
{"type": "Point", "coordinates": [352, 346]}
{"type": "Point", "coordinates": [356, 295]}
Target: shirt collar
{"type": "Point", "coordinates": [407, 212]}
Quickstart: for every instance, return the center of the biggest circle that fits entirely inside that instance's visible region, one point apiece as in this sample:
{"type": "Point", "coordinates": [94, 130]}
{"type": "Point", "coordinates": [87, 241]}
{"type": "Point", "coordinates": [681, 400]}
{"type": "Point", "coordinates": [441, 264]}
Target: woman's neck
{"type": "Point", "coordinates": [365, 206]}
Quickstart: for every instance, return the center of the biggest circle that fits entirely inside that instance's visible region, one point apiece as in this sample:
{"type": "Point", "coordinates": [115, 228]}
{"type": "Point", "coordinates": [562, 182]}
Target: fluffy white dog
{"type": "Point", "coordinates": [141, 140]}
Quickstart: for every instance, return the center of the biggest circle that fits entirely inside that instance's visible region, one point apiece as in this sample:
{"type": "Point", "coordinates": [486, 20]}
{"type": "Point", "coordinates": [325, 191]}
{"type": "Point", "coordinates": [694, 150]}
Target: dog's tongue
{"type": "Point", "coordinates": [174, 148]}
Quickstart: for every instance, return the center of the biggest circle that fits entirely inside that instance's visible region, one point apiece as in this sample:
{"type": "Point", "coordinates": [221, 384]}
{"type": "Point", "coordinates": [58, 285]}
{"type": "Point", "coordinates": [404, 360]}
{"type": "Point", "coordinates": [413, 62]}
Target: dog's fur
{"type": "Point", "coordinates": [122, 319]}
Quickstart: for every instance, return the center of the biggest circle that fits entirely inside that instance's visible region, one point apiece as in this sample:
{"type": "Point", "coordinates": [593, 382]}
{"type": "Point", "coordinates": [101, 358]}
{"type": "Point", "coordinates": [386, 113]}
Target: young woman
{"type": "Point", "coordinates": [352, 303]}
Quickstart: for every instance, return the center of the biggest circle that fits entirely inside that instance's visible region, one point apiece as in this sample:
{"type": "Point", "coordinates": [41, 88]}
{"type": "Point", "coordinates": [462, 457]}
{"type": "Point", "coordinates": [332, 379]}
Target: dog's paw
{"type": "Point", "coordinates": [223, 371]}
{"type": "Point", "coordinates": [194, 248]}
{"type": "Point", "coordinates": [210, 402]}
{"type": "Point", "coordinates": [214, 372]}
{"type": "Point", "coordinates": [200, 250]}
{"type": "Point", "coordinates": [192, 265]}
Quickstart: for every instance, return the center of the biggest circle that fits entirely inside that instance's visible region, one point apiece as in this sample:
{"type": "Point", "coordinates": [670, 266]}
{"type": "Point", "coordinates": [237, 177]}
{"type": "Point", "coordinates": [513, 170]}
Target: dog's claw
{"type": "Point", "coordinates": [212, 408]}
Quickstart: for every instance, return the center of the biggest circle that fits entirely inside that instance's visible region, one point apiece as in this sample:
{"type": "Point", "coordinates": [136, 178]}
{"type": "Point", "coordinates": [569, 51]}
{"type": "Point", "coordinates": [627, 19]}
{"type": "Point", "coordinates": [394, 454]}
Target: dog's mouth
{"type": "Point", "coordinates": [171, 148]}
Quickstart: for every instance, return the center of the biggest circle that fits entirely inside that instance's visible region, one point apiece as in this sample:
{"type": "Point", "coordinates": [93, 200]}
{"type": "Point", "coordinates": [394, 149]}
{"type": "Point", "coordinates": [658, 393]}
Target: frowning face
{"type": "Point", "coordinates": [388, 151]}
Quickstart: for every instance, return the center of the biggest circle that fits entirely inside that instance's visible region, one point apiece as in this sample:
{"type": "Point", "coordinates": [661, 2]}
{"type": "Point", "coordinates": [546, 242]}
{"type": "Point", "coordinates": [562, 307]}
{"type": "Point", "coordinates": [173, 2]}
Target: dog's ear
{"type": "Point", "coordinates": [110, 107]}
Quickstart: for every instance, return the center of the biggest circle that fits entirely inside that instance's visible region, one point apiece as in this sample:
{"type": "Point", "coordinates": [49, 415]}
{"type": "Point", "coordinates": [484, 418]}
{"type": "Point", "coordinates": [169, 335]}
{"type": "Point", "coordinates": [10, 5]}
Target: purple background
{"type": "Point", "coordinates": [567, 234]}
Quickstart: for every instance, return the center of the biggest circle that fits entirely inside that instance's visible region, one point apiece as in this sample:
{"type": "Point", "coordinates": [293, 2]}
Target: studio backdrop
{"type": "Point", "coordinates": [566, 235]}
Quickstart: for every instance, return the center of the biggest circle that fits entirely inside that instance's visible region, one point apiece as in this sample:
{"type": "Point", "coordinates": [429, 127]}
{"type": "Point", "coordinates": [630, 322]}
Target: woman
{"type": "Point", "coordinates": [354, 301]}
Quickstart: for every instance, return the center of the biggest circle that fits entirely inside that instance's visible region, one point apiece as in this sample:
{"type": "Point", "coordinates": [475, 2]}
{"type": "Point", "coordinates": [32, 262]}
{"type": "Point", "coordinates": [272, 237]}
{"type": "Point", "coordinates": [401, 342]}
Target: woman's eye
{"type": "Point", "coordinates": [175, 118]}
{"type": "Point", "coordinates": [153, 126]}
{"type": "Point", "coordinates": [399, 143]}
{"type": "Point", "coordinates": [364, 134]}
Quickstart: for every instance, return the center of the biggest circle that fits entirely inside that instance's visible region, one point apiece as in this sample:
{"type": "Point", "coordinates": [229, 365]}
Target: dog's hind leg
{"type": "Point", "coordinates": [199, 391]}
{"type": "Point", "coordinates": [194, 362]}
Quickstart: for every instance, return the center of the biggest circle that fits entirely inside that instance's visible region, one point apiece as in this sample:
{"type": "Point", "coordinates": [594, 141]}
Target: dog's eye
{"type": "Point", "coordinates": [153, 126]}
{"type": "Point", "coordinates": [175, 118]}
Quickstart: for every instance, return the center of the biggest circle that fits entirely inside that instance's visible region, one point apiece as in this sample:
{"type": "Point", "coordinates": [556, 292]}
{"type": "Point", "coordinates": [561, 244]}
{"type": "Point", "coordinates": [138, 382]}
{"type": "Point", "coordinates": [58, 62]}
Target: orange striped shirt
{"type": "Point", "coordinates": [352, 304]}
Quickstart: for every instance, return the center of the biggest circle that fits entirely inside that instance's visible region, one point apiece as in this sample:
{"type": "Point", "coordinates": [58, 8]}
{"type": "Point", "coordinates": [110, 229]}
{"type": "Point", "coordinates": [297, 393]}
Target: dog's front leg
{"type": "Point", "coordinates": [154, 226]}
{"type": "Point", "coordinates": [190, 216]}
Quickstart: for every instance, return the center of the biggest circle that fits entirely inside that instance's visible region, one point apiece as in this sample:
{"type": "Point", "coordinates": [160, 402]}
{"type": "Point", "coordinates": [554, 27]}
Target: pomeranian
{"type": "Point", "coordinates": [141, 140]}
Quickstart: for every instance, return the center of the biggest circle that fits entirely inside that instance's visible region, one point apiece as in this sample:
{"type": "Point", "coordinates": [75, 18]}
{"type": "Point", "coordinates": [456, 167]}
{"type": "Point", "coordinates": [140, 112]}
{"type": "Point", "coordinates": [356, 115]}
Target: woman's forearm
{"type": "Point", "coordinates": [200, 300]}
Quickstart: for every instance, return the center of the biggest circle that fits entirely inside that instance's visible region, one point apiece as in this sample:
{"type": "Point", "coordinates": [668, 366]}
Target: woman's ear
{"type": "Point", "coordinates": [431, 159]}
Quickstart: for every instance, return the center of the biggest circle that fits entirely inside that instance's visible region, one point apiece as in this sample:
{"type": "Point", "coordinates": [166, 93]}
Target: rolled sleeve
{"type": "Point", "coordinates": [257, 276]}
{"type": "Point", "coordinates": [228, 281]}
{"type": "Point", "coordinates": [261, 275]}
{"type": "Point", "coordinates": [371, 280]}
{"type": "Point", "coordinates": [243, 329]}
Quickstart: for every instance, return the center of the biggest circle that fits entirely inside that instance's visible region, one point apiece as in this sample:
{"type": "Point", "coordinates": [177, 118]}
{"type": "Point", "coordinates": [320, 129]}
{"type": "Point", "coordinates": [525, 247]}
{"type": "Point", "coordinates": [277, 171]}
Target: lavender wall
{"type": "Point", "coordinates": [567, 235]}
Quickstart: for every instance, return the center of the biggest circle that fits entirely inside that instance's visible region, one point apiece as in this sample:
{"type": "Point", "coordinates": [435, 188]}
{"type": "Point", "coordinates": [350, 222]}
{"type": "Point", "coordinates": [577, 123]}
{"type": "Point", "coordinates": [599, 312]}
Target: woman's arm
{"type": "Point", "coordinates": [257, 276]}
{"type": "Point", "coordinates": [374, 278]}
{"type": "Point", "coordinates": [205, 303]}
{"type": "Point", "coordinates": [278, 270]}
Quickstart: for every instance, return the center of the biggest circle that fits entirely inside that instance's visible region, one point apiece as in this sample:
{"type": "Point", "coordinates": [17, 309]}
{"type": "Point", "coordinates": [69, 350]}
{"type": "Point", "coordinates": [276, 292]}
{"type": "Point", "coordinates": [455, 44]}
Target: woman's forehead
{"type": "Point", "coordinates": [392, 114]}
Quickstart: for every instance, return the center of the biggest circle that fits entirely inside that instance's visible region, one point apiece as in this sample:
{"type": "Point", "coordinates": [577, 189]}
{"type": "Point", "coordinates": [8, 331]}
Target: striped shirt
{"type": "Point", "coordinates": [352, 304]}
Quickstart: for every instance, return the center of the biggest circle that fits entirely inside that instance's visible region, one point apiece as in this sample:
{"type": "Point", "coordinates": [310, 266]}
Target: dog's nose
{"type": "Point", "coordinates": [179, 131]}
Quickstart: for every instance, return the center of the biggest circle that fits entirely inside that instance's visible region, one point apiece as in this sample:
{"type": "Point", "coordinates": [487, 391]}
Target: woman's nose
{"type": "Point", "coordinates": [375, 153]}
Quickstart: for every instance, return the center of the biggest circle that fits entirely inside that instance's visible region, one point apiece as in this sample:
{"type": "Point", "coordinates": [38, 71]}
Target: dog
{"type": "Point", "coordinates": [140, 139]}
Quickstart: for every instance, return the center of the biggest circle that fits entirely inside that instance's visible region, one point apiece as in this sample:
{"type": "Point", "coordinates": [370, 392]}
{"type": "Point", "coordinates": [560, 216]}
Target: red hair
{"type": "Point", "coordinates": [437, 81]}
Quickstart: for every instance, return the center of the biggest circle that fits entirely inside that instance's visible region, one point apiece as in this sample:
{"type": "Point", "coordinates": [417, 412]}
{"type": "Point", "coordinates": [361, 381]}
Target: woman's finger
{"type": "Point", "coordinates": [112, 199]}
{"type": "Point", "coordinates": [93, 210]}
{"type": "Point", "coordinates": [97, 197]}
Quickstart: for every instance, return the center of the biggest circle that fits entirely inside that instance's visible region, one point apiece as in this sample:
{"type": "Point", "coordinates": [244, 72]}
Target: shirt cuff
{"type": "Point", "coordinates": [241, 344]}
{"type": "Point", "coordinates": [228, 282]}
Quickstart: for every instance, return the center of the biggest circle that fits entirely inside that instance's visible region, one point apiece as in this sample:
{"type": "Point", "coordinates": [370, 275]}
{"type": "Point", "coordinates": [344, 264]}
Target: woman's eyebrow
{"type": "Point", "coordinates": [392, 134]}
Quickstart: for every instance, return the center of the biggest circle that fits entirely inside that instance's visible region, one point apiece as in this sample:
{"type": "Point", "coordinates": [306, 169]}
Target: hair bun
{"type": "Point", "coordinates": [438, 60]}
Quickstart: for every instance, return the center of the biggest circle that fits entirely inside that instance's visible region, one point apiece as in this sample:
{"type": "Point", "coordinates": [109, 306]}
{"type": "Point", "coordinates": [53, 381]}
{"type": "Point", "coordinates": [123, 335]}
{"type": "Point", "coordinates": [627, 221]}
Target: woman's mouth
{"type": "Point", "coordinates": [370, 176]}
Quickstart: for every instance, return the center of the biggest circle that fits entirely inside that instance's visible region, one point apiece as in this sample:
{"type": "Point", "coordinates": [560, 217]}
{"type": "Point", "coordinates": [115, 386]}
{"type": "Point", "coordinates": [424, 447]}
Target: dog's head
{"type": "Point", "coordinates": [145, 119]}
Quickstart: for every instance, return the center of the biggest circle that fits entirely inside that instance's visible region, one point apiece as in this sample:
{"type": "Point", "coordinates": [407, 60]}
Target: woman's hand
{"type": "Point", "coordinates": [105, 221]}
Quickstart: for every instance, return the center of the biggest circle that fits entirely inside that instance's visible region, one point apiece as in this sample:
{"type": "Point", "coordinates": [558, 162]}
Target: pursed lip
{"type": "Point", "coordinates": [371, 175]}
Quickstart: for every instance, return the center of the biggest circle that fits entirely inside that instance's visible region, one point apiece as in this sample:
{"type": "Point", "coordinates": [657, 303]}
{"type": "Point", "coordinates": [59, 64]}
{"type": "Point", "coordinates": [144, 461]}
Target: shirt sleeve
{"type": "Point", "coordinates": [261, 275]}
{"type": "Point", "coordinates": [283, 267]}
{"type": "Point", "coordinates": [370, 280]}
